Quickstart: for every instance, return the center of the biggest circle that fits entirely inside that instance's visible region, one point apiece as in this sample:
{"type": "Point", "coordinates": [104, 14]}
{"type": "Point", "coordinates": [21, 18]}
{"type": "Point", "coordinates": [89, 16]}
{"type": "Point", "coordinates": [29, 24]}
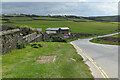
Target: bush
{"type": "Point", "coordinates": [48, 40]}
{"type": "Point", "coordinates": [35, 30]}
{"type": "Point", "coordinates": [36, 45]}
{"type": "Point", "coordinates": [26, 30]}
{"type": "Point", "coordinates": [58, 39]}
{"type": "Point", "coordinates": [20, 45]}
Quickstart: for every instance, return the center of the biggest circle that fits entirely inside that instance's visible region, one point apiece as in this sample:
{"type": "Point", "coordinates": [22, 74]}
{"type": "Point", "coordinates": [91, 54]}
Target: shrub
{"type": "Point", "coordinates": [20, 45]}
{"type": "Point", "coordinates": [35, 30]}
{"type": "Point", "coordinates": [36, 45]}
{"type": "Point", "coordinates": [48, 40]}
{"type": "Point", "coordinates": [26, 30]}
{"type": "Point", "coordinates": [58, 39]}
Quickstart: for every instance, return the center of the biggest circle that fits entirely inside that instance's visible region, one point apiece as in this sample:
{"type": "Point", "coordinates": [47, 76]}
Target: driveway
{"type": "Point", "coordinates": [102, 59]}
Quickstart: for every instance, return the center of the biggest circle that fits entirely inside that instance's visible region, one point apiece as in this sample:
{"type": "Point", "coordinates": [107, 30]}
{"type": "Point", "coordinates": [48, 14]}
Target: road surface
{"type": "Point", "coordinates": [102, 59]}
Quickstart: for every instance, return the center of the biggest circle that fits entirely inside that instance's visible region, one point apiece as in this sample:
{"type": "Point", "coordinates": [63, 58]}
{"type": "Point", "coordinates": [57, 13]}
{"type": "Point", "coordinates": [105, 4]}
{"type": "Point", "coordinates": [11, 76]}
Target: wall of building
{"type": "Point", "coordinates": [9, 39]}
{"type": "Point", "coordinates": [51, 32]}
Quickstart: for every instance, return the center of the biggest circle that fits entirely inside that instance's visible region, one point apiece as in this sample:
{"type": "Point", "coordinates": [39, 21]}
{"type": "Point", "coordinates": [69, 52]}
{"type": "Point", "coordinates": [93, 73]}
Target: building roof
{"type": "Point", "coordinates": [55, 29]}
{"type": "Point", "coordinates": [64, 28]}
{"type": "Point", "coordinates": [52, 29]}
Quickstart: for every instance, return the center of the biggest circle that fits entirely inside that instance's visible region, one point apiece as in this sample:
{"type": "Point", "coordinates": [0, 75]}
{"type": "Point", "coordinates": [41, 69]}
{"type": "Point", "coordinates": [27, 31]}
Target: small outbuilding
{"type": "Point", "coordinates": [59, 31]}
{"type": "Point", "coordinates": [65, 31]}
{"type": "Point", "coordinates": [62, 30]}
{"type": "Point", "coordinates": [52, 30]}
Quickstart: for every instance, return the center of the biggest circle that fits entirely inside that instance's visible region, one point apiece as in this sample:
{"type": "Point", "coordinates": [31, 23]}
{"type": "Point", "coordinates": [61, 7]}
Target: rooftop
{"type": "Point", "coordinates": [55, 29]}
{"type": "Point", "coordinates": [52, 29]}
{"type": "Point", "coordinates": [64, 28]}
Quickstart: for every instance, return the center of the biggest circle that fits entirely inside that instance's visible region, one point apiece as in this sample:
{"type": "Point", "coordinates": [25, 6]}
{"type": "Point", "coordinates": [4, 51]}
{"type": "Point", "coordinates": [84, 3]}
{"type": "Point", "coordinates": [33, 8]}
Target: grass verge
{"type": "Point", "coordinates": [21, 63]}
{"type": "Point", "coordinates": [69, 40]}
{"type": "Point", "coordinates": [112, 40]}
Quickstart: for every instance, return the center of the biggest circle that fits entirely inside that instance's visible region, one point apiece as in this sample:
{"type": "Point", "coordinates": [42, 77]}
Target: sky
{"type": "Point", "coordinates": [70, 7]}
{"type": "Point", "coordinates": [60, 0]}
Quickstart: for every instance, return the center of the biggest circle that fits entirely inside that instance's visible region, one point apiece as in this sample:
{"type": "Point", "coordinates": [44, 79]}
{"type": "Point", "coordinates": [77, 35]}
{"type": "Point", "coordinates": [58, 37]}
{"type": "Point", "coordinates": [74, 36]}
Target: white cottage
{"type": "Point", "coordinates": [61, 30]}
{"type": "Point", "coordinates": [52, 30]}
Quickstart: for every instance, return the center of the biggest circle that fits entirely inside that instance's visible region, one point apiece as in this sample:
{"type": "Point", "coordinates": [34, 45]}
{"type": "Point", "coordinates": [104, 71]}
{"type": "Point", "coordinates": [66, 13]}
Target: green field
{"type": "Point", "coordinates": [85, 26]}
{"type": "Point", "coordinates": [21, 63]}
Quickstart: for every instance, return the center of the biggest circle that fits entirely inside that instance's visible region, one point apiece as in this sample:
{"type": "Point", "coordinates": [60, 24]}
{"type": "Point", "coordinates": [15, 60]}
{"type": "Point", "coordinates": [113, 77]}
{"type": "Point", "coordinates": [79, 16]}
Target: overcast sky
{"type": "Point", "coordinates": [78, 7]}
{"type": "Point", "coordinates": [60, 0]}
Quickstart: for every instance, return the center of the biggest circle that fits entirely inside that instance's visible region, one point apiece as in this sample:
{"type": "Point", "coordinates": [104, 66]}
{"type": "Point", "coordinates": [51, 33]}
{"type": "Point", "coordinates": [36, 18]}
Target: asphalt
{"type": "Point", "coordinates": [102, 59]}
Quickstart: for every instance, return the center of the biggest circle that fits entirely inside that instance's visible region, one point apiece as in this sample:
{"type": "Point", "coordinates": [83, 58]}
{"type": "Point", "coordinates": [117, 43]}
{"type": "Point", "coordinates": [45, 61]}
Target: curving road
{"type": "Point", "coordinates": [102, 59]}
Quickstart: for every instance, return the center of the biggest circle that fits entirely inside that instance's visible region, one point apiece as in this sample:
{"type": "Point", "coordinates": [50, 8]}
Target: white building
{"type": "Point", "coordinates": [52, 30]}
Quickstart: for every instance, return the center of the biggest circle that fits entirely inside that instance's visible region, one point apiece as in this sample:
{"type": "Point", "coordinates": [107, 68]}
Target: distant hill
{"type": "Point", "coordinates": [69, 17]}
{"type": "Point", "coordinates": [104, 18]}
{"type": "Point", "coordinates": [99, 18]}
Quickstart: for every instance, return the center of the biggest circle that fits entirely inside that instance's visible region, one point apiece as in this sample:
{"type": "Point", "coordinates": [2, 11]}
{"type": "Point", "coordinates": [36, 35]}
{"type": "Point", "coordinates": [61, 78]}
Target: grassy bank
{"type": "Point", "coordinates": [69, 40]}
{"type": "Point", "coordinates": [21, 63]}
{"type": "Point", "coordinates": [112, 40]}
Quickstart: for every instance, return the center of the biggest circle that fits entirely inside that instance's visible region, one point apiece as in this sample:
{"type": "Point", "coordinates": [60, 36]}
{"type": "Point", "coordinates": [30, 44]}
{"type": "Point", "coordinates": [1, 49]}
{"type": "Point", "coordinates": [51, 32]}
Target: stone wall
{"type": "Point", "coordinates": [9, 39]}
{"type": "Point", "coordinates": [34, 37]}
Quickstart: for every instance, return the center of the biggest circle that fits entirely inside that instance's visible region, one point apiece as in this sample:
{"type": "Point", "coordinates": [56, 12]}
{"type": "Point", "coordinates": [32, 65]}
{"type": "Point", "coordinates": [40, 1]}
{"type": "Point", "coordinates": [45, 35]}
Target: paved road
{"type": "Point", "coordinates": [102, 59]}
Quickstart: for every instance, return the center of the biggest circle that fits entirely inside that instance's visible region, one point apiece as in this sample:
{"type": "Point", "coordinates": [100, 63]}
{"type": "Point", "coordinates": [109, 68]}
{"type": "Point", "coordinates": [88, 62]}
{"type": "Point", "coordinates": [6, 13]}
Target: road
{"type": "Point", "coordinates": [102, 59]}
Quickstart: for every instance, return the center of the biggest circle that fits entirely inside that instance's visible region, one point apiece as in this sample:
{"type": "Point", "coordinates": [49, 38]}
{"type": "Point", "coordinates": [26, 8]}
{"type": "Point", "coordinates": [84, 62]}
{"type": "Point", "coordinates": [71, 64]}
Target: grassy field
{"type": "Point", "coordinates": [112, 40]}
{"type": "Point", "coordinates": [85, 26]}
{"type": "Point", "coordinates": [21, 63]}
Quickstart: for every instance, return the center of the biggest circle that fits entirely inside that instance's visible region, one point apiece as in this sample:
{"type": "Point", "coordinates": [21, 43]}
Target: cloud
{"type": "Point", "coordinates": [60, 0]}
{"type": "Point", "coordinates": [76, 8]}
{"type": "Point", "coordinates": [108, 8]}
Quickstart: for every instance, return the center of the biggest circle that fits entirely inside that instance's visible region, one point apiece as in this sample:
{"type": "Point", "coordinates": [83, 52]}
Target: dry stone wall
{"type": "Point", "coordinates": [9, 39]}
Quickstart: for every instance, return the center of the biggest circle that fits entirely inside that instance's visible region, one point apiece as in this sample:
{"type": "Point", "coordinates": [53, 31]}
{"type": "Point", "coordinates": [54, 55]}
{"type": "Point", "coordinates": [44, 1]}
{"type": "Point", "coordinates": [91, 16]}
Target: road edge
{"type": "Point", "coordinates": [85, 57]}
